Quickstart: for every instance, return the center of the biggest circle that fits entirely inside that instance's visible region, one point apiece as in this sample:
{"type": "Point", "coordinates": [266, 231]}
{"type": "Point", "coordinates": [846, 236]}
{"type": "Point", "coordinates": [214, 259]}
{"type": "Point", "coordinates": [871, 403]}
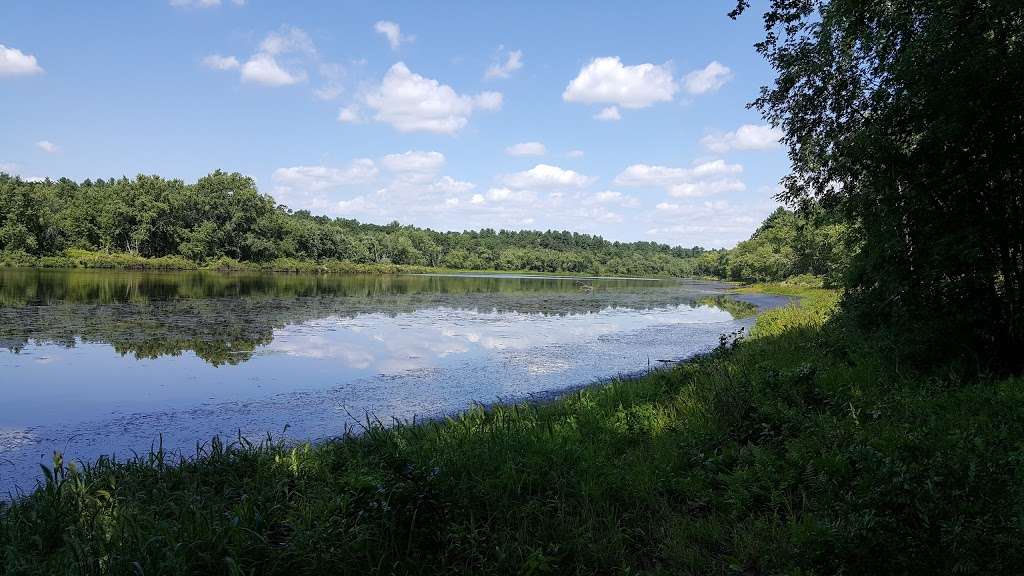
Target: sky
{"type": "Point", "coordinates": [627, 120]}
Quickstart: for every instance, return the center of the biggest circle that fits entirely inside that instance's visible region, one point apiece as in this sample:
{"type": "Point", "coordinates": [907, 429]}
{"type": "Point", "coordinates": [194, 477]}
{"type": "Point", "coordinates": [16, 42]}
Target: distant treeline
{"type": "Point", "coordinates": [223, 217]}
{"type": "Point", "coordinates": [788, 243]}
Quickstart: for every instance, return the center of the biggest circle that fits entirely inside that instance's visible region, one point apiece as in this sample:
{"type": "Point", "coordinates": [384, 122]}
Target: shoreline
{"type": "Point", "coordinates": [92, 260]}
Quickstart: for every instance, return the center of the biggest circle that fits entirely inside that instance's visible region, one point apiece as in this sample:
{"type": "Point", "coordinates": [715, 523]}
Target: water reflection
{"type": "Point", "coordinates": [96, 363]}
{"type": "Point", "coordinates": [223, 318]}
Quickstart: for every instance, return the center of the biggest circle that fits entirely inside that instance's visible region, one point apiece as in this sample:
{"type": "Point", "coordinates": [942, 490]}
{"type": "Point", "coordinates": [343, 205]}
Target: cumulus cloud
{"type": "Point", "coordinates": [547, 176]}
{"type": "Point", "coordinates": [746, 137]}
{"type": "Point", "coordinates": [350, 114]}
{"type": "Point", "coordinates": [638, 175]}
{"type": "Point", "coordinates": [706, 187]}
{"type": "Point", "coordinates": [703, 179]}
{"type": "Point", "coordinates": [413, 161]}
{"type": "Point", "coordinates": [410, 102]}
{"type": "Point", "coordinates": [47, 146]}
{"type": "Point", "coordinates": [513, 62]}
{"type": "Point", "coordinates": [609, 114]}
{"type": "Point", "coordinates": [708, 79]}
{"type": "Point", "coordinates": [282, 59]}
{"type": "Point", "coordinates": [14, 62]}
{"type": "Point", "coordinates": [393, 32]}
{"type": "Point", "coordinates": [218, 62]}
{"type": "Point", "coordinates": [608, 81]}
{"type": "Point", "coordinates": [288, 40]}
{"type": "Point", "coordinates": [707, 223]}
{"type": "Point", "coordinates": [319, 178]}
{"type": "Point", "coordinates": [612, 197]}
{"type": "Point", "coordinates": [509, 195]}
{"type": "Point", "coordinates": [526, 149]}
{"type": "Point", "coordinates": [264, 69]}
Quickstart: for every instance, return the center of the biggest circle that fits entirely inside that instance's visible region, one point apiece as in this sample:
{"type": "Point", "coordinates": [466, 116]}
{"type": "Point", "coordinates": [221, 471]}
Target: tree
{"type": "Point", "coordinates": [905, 118]}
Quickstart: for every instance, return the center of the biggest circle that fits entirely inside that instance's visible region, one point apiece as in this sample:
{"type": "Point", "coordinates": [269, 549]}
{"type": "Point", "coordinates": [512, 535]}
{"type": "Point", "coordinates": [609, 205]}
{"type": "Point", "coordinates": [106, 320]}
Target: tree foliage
{"type": "Point", "coordinates": [788, 243]}
{"type": "Point", "coordinates": [904, 118]}
{"type": "Point", "coordinates": [224, 216]}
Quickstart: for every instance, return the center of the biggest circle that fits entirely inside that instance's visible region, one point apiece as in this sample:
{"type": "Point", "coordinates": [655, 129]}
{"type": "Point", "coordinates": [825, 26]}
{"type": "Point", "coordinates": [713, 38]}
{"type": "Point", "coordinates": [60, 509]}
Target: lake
{"type": "Point", "coordinates": [107, 362]}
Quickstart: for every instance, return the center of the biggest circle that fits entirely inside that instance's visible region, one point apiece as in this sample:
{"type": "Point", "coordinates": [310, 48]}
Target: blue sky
{"type": "Point", "coordinates": [626, 120]}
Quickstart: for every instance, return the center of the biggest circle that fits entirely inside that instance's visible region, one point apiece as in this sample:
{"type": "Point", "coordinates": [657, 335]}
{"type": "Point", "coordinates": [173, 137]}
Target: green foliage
{"type": "Point", "coordinates": [903, 119]}
{"type": "Point", "coordinates": [788, 243]}
{"type": "Point", "coordinates": [222, 222]}
{"type": "Point", "coordinates": [801, 450]}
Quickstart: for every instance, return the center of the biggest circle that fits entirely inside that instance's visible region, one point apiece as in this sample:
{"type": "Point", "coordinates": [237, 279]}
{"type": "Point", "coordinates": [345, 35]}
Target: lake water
{"type": "Point", "coordinates": [103, 362]}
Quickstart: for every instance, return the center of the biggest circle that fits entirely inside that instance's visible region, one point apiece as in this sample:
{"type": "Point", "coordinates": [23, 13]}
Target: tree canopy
{"type": "Point", "coordinates": [223, 215]}
{"type": "Point", "coordinates": [904, 118]}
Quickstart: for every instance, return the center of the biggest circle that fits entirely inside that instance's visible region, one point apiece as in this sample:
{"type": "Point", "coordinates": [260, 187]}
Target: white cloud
{"type": "Point", "coordinates": [703, 179]}
{"type": "Point", "coordinates": [413, 161]}
{"type": "Point", "coordinates": [288, 40]}
{"type": "Point", "coordinates": [513, 62]}
{"type": "Point", "coordinates": [526, 149]}
{"type": "Point", "coordinates": [706, 187]}
{"type": "Point", "coordinates": [612, 197]}
{"type": "Point", "coordinates": [393, 32]}
{"type": "Point", "coordinates": [665, 176]}
{"type": "Point", "coordinates": [609, 114]}
{"type": "Point", "coordinates": [263, 68]}
{"type": "Point", "coordinates": [449, 185]}
{"type": "Point", "coordinates": [547, 176]}
{"type": "Point", "coordinates": [410, 102]}
{"type": "Point", "coordinates": [359, 205]}
{"type": "Point", "coordinates": [319, 178]}
{"type": "Point", "coordinates": [746, 137]}
{"type": "Point", "coordinates": [708, 223]}
{"type": "Point", "coordinates": [350, 114]}
{"type": "Point", "coordinates": [488, 100]}
{"type": "Point", "coordinates": [708, 79]}
{"type": "Point", "coordinates": [218, 62]}
{"type": "Point", "coordinates": [14, 62]}
{"type": "Point", "coordinates": [477, 199]}
{"type": "Point", "coordinates": [608, 81]}
{"type": "Point", "coordinates": [289, 45]}
{"type": "Point", "coordinates": [47, 146]}
{"type": "Point", "coordinates": [574, 154]}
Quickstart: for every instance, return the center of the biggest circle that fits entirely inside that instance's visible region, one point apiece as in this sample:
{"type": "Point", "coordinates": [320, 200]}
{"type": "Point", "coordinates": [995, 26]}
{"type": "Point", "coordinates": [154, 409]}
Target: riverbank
{"type": "Point", "coordinates": [800, 448]}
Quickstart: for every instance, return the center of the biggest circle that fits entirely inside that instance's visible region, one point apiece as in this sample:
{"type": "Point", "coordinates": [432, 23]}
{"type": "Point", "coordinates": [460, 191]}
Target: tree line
{"type": "Point", "coordinates": [223, 215]}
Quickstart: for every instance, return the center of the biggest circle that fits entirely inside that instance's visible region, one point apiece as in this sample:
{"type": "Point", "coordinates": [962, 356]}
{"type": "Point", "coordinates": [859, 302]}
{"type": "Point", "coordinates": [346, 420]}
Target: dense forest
{"type": "Point", "coordinates": [224, 216]}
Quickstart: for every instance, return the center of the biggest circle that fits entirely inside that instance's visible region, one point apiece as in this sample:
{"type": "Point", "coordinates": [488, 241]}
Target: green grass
{"type": "Point", "coordinates": [799, 450]}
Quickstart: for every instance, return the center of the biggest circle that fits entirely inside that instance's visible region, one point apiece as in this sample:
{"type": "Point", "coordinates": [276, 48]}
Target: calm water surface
{"type": "Point", "coordinates": [102, 362]}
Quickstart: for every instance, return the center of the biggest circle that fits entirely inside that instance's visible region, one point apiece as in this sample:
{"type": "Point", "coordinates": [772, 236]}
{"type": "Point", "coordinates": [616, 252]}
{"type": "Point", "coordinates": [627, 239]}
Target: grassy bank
{"type": "Point", "coordinates": [801, 449]}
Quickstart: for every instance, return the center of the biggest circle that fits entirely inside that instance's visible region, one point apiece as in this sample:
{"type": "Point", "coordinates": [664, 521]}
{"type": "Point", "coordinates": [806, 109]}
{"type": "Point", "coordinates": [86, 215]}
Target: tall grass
{"type": "Point", "coordinates": [799, 450]}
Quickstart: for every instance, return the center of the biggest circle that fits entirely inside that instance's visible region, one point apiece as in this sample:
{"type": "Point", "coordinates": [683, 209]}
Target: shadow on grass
{"type": "Point", "coordinates": [798, 450]}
